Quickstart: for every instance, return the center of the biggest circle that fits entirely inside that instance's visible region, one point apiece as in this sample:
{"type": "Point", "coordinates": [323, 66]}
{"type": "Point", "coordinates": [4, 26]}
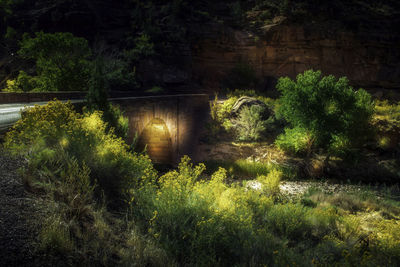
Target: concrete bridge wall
{"type": "Point", "coordinates": [183, 116]}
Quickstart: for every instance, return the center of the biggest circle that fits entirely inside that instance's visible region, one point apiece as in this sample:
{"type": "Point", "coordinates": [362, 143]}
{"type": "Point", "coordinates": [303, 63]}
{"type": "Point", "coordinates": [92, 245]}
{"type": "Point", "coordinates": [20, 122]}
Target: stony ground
{"type": "Point", "coordinates": [298, 188]}
{"type": "Point", "coordinates": [18, 210]}
{"type": "Point", "coordinates": [295, 189]}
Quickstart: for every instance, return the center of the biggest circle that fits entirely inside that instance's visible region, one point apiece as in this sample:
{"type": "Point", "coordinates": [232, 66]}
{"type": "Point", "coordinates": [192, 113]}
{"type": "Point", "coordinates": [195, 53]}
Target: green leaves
{"type": "Point", "coordinates": [324, 106]}
{"type": "Point", "coordinates": [62, 61]}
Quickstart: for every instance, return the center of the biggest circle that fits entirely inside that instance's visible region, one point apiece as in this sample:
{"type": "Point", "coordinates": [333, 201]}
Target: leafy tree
{"type": "Point", "coordinates": [324, 110]}
{"type": "Point", "coordinates": [97, 93]}
{"type": "Point", "coordinates": [143, 48]}
{"type": "Point", "coordinates": [62, 61]}
{"type": "Point", "coordinates": [97, 100]}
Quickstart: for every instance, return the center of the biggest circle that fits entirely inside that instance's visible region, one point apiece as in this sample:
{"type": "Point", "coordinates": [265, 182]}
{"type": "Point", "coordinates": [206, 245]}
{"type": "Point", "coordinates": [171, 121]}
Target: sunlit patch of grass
{"type": "Point", "coordinates": [387, 111]}
{"type": "Point", "coordinates": [252, 168]}
{"type": "Point", "coordinates": [240, 168]}
{"type": "Point", "coordinates": [366, 231]}
{"type": "Point", "coordinates": [353, 203]}
{"type": "Point", "coordinates": [247, 169]}
{"type": "Point", "coordinates": [386, 122]}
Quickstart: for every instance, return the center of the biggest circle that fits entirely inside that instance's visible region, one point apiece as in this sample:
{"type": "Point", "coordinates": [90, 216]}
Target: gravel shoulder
{"type": "Point", "coordinates": [19, 211]}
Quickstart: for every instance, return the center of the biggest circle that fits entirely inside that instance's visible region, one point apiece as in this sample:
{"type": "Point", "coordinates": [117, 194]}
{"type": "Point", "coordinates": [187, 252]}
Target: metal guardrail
{"type": "Point", "coordinates": [11, 113]}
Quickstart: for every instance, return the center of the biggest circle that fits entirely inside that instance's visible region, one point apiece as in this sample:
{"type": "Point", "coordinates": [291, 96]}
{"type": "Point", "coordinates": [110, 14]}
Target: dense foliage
{"type": "Point", "coordinates": [211, 222]}
{"type": "Point", "coordinates": [97, 99]}
{"type": "Point", "coordinates": [184, 217]}
{"type": "Point", "coordinates": [45, 132]}
{"type": "Point", "coordinates": [62, 63]}
{"type": "Point", "coordinates": [323, 112]}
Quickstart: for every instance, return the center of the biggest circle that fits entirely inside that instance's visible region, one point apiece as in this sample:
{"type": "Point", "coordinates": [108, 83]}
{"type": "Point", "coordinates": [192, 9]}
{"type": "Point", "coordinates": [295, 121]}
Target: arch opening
{"type": "Point", "coordinates": [156, 140]}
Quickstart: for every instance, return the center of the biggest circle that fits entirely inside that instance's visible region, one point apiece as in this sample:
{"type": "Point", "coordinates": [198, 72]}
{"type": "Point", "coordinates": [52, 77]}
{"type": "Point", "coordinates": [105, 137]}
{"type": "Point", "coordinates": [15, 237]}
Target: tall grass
{"type": "Point", "coordinates": [80, 167]}
{"type": "Point", "coordinates": [248, 169]}
{"type": "Point", "coordinates": [184, 217]}
{"type": "Point", "coordinates": [209, 222]}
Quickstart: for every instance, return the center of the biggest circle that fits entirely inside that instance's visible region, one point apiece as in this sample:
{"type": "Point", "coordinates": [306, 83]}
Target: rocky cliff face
{"type": "Point", "coordinates": [370, 59]}
{"type": "Point", "coordinates": [366, 49]}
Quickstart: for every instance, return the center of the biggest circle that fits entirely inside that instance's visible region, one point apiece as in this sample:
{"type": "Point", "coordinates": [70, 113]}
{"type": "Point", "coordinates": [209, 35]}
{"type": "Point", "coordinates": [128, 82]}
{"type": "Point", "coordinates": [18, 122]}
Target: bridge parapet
{"type": "Point", "coordinates": [13, 98]}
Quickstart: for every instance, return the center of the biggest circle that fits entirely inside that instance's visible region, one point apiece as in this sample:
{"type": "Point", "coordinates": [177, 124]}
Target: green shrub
{"type": "Point", "coordinates": [79, 229]}
{"type": "Point", "coordinates": [221, 111]}
{"type": "Point", "coordinates": [23, 83]}
{"type": "Point", "coordinates": [56, 128]}
{"type": "Point", "coordinates": [62, 63]}
{"type": "Point", "coordinates": [143, 251]}
{"type": "Point", "coordinates": [119, 121]}
{"type": "Point", "coordinates": [270, 183]}
{"type": "Point", "coordinates": [251, 168]}
{"type": "Point", "coordinates": [210, 222]}
{"type": "Point", "coordinates": [118, 70]}
{"type": "Point", "coordinates": [6, 9]}
{"type": "Point", "coordinates": [288, 220]}
{"type": "Point", "coordinates": [205, 222]}
{"type": "Point", "coordinates": [250, 124]}
{"type": "Point", "coordinates": [220, 115]}
{"type": "Point", "coordinates": [239, 168]}
{"type": "Point", "coordinates": [143, 48]}
{"type": "Point", "coordinates": [97, 99]}
{"type": "Point", "coordinates": [296, 140]}
{"type": "Point", "coordinates": [330, 109]}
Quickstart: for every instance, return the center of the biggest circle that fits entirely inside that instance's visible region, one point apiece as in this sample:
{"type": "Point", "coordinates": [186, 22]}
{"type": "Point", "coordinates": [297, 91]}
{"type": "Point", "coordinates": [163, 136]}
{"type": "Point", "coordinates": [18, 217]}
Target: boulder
{"type": "Point", "coordinates": [249, 101]}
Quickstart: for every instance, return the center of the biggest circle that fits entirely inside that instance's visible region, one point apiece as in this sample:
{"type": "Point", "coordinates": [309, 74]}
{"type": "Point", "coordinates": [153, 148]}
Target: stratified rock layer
{"type": "Point", "coordinates": [369, 59]}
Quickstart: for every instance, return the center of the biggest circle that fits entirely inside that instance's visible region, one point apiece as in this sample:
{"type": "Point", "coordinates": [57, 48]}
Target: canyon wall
{"type": "Point", "coordinates": [369, 59]}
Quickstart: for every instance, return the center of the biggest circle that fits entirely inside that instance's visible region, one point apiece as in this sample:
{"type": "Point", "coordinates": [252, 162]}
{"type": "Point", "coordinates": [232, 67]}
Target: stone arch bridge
{"type": "Point", "coordinates": [167, 126]}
